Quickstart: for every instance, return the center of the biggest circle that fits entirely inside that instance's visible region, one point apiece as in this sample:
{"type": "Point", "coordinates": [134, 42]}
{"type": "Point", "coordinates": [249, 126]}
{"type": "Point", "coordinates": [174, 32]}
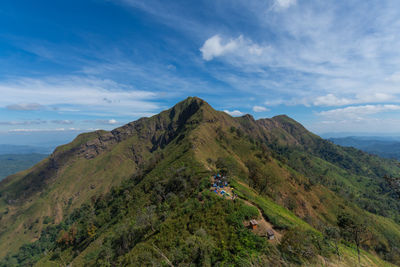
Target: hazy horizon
{"type": "Point", "coordinates": [51, 139]}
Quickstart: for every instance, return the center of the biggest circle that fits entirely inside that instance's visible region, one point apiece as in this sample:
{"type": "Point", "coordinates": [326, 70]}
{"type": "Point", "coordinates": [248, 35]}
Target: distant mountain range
{"type": "Point", "coordinates": [24, 149]}
{"type": "Point", "coordinates": [13, 163]}
{"type": "Point", "coordinates": [16, 158]}
{"type": "Point", "coordinates": [382, 146]}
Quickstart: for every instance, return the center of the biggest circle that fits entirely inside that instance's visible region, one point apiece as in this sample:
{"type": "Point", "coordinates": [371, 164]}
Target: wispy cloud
{"type": "Point", "coordinates": [358, 112]}
{"type": "Point", "coordinates": [30, 122]}
{"type": "Point", "coordinates": [161, 79]}
{"type": "Point", "coordinates": [364, 118]}
{"type": "Point", "coordinates": [87, 95]}
{"type": "Point", "coordinates": [22, 130]}
{"type": "Point", "coordinates": [332, 100]}
{"type": "Point", "coordinates": [24, 107]}
{"type": "Point", "coordinates": [65, 122]}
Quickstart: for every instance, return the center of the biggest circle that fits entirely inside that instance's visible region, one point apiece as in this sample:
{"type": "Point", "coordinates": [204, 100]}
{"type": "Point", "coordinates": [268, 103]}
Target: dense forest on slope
{"type": "Point", "coordinates": [140, 195]}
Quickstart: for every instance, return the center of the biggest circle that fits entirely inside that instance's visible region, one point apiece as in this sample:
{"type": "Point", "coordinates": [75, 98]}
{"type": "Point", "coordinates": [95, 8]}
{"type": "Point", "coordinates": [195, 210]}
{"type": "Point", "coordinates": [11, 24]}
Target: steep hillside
{"type": "Point", "coordinates": [139, 195]}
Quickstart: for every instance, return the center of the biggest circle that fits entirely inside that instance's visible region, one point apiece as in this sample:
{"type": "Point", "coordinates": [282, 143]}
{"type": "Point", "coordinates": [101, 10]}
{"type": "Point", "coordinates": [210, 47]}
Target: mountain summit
{"type": "Point", "coordinates": [143, 194]}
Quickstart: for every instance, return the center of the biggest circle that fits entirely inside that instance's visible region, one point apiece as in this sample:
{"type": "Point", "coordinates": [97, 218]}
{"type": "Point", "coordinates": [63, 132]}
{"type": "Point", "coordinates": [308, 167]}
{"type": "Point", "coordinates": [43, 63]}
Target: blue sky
{"type": "Point", "coordinates": [74, 66]}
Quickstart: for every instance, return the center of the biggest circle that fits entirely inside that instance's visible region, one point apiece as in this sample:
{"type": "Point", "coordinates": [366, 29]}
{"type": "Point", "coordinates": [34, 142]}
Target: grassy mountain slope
{"type": "Point", "coordinates": [139, 195]}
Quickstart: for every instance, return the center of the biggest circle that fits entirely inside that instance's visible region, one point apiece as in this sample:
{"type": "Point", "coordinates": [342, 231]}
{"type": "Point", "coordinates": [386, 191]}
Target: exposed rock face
{"type": "Point", "coordinates": [94, 147]}
{"type": "Point", "coordinates": [159, 130]}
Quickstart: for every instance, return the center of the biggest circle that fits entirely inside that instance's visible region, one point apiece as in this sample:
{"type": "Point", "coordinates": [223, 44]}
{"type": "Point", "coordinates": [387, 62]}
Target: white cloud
{"type": "Point", "coordinates": [107, 122]}
{"type": "Point", "coordinates": [284, 4]}
{"type": "Point", "coordinates": [259, 109]}
{"type": "Point", "coordinates": [234, 113]}
{"type": "Point", "coordinates": [216, 46]}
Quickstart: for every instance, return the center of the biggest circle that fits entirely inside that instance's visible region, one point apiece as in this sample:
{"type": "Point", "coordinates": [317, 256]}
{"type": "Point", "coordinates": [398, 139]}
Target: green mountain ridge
{"type": "Point", "coordinates": [139, 195]}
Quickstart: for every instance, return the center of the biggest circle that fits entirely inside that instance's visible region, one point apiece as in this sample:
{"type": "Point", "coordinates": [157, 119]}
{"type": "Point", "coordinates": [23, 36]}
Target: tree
{"type": "Point", "coordinates": [91, 230]}
{"type": "Point", "coordinates": [200, 247]}
{"type": "Point", "coordinates": [353, 229]}
{"type": "Point", "coordinates": [299, 245]}
{"type": "Point", "coordinates": [333, 233]}
{"type": "Point", "coordinates": [147, 217]}
{"type": "Point", "coordinates": [394, 183]}
{"type": "Point", "coordinates": [256, 178]}
{"type": "Point", "coordinates": [67, 238]}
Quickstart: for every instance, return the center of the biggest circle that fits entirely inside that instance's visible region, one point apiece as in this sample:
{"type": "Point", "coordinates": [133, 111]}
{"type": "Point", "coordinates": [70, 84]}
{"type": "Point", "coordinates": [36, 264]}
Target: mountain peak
{"type": "Point", "coordinates": [192, 109]}
{"type": "Point", "coordinates": [192, 101]}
